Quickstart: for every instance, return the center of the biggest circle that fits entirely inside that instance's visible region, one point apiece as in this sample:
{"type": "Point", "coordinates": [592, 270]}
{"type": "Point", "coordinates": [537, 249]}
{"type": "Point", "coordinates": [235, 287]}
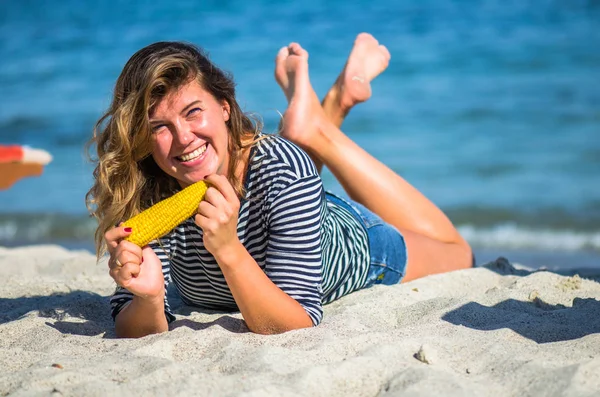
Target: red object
{"type": "Point", "coordinates": [8, 154]}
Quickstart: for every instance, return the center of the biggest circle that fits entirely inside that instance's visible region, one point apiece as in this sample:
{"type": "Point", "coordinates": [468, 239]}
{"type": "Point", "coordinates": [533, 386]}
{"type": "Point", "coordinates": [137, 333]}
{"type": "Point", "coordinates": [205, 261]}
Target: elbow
{"type": "Point", "coordinates": [126, 327]}
{"type": "Point", "coordinates": [272, 328]}
{"type": "Point", "coordinates": [267, 330]}
{"type": "Point", "coordinates": [122, 331]}
{"type": "Point", "coordinates": [129, 333]}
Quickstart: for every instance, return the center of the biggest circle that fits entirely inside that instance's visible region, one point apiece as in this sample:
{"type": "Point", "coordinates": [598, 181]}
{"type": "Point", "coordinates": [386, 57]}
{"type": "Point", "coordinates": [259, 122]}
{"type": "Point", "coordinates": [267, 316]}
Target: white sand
{"type": "Point", "coordinates": [480, 332]}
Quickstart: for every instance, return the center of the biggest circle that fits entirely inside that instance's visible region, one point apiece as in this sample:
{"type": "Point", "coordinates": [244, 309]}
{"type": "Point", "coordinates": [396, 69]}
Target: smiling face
{"type": "Point", "coordinates": [190, 137]}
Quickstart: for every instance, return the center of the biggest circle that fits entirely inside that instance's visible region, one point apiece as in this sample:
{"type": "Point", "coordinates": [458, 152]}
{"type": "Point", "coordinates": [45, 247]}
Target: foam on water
{"type": "Point", "coordinates": [42, 228]}
{"type": "Point", "coordinates": [511, 236]}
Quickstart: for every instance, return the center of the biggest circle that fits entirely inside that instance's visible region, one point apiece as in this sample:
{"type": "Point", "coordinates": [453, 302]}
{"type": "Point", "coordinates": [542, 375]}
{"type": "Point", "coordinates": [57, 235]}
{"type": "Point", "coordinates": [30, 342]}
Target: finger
{"type": "Point", "coordinates": [222, 184]}
{"type": "Point", "coordinates": [121, 274]}
{"type": "Point", "coordinates": [202, 221]}
{"type": "Point", "coordinates": [214, 197]}
{"type": "Point", "coordinates": [124, 258]}
{"type": "Point", "coordinates": [113, 273]}
{"type": "Point", "coordinates": [207, 210]}
{"type": "Point", "coordinates": [125, 274]}
{"type": "Point", "coordinates": [125, 245]}
{"type": "Point", "coordinates": [112, 263]}
{"type": "Point", "coordinates": [115, 235]}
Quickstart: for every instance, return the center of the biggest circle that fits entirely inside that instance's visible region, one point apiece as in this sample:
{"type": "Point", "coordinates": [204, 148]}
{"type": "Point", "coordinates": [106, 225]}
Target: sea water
{"type": "Point", "coordinates": [490, 108]}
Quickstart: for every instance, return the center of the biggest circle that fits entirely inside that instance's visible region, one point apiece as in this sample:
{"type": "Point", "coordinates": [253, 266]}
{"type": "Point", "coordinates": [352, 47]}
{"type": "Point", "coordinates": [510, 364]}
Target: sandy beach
{"type": "Point", "coordinates": [498, 330]}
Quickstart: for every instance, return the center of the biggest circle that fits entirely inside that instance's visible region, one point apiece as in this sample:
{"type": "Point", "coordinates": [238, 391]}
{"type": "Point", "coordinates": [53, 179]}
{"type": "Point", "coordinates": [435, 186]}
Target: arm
{"type": "Point", "coordinates": [139, 302]}
{"type": "Point", "coordinates": [141, 317]}
{"type": "Point", "coordinates": [265, 306]}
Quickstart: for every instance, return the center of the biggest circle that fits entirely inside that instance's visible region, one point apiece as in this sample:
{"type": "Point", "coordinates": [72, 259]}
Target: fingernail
{"type": "Point", "coordinates": [127, 230]}
{"type": "Point", "coordinates": [142, 259]}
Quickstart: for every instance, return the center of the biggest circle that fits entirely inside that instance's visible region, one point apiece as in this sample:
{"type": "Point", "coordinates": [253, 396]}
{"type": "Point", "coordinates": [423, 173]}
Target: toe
{"type": "Point", "coordinates": [283, 53]}
{"type": "Point", "coordinates": [365, 36]}
{"type": "Point", "coordinates": [296, 49]}
{"type": "Point", "coordinates": [385, 52]}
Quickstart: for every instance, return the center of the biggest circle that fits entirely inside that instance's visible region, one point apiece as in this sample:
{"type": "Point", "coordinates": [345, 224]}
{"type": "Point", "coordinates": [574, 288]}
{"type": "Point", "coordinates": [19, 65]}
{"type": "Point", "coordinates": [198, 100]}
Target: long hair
{"type": "Point", "coordinates": [126, 178]}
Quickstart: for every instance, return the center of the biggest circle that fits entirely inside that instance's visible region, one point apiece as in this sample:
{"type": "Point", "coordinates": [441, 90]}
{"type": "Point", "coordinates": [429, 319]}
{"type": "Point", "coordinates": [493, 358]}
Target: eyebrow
{"type": "Point", "coordinates": [184, 110]}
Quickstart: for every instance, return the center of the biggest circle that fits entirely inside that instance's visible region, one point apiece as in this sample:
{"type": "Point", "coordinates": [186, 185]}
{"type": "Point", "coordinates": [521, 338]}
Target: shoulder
{"type": "Point", "coordinates": [276, 154]}
{"type": "Point", "coordinates": [279, 172]}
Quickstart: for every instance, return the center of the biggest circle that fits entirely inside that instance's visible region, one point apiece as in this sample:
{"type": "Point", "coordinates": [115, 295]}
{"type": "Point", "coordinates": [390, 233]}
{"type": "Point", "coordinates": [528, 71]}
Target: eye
{"type": "Point", "coordinates": [193, 111]}
{"type": "Point", "coordinates": [157, 127]}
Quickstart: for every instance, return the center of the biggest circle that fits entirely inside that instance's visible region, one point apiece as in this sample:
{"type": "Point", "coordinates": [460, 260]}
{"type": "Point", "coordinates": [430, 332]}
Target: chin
{"type": "Point", "coordinates": [190, 179]}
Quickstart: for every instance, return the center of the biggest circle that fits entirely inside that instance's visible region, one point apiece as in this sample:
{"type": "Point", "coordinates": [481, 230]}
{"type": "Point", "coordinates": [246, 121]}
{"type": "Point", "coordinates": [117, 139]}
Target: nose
{"type": "Point", "coordinates": [182, 133]}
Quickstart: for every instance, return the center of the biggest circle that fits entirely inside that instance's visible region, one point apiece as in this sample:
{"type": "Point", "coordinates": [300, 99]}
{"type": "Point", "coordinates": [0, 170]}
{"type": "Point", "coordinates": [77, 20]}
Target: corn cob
{"type": "Point", "coordinates": [163, 216]}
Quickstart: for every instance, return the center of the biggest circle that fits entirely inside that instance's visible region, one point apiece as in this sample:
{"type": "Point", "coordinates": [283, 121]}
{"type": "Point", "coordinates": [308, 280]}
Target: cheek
{"type": "Point", "coordinates": [161, 146]}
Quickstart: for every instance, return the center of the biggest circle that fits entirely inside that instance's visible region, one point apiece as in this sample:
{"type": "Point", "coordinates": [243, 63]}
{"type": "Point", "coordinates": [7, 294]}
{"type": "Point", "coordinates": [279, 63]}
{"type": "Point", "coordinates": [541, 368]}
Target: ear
{"type": "Point", "coordinates": [226, 110]}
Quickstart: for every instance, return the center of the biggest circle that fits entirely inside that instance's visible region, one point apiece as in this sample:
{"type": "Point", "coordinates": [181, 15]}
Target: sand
{"type": "Point", "coordinates": [495, 330]}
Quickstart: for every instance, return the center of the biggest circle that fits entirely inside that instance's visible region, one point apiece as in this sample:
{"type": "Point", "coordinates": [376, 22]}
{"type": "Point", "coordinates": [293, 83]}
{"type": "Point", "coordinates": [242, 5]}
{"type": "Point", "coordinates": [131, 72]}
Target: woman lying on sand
{"type": "Point", "coordinates": [267, 240]}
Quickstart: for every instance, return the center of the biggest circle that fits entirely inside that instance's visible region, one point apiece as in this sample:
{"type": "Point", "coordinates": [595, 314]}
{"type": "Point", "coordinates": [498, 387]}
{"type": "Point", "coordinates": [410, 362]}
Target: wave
{"type": "Point", "coordinates": [24, 229]}
{"type": "Point", "coordinates": [513, 236]}
{"type": "Point", "coordinates": [78, 230]}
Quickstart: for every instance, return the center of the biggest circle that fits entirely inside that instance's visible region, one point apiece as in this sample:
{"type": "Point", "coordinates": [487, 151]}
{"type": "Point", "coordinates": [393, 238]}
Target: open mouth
{"type": "Point", "coordinates": [192, 155]}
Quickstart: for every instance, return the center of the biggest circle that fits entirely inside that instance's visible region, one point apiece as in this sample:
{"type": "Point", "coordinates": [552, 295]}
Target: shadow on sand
{"type": "Point", "coordinates": [536, 320]}
{"type": "Point", "coordinates": [95, 310]}
{"type": "Point", "coordinates": [504, 267]}
{"type": "Point", "coordinates": [226, 322]}
{"type": "Point", "coordinates": [88, 306]}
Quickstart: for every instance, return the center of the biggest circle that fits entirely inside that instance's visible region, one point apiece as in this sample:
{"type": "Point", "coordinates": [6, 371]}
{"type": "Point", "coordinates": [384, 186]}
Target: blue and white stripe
{"type": "Point", "coordinates": [312, 249]}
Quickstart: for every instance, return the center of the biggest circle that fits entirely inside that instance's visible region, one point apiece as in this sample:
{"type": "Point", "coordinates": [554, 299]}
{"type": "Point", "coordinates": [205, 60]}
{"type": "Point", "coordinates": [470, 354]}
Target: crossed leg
{"type": "Point", "coordinates": [366, 61]}
{"type": "Point", "coordinates": [433, 243]}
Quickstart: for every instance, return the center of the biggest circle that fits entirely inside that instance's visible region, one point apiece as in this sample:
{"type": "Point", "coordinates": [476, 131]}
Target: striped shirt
{"type": "Point", "coordinates": [312, 249]}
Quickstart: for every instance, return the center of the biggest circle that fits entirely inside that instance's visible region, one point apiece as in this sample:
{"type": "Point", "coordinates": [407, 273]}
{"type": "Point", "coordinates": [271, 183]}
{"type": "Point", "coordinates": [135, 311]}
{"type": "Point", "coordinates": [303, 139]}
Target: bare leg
{"type": "Point", "coordinates": [366, 61]}
{"type": "Point", "coordinates": [283, 76]}
{"type": "Point", "coordinates": [353, 86]}
{"type": "Point", "coordinates": [434, 245]}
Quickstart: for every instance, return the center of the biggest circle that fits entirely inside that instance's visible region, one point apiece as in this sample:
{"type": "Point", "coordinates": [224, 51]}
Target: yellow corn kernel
{"type": "Point", "coordinates": [163, 216]}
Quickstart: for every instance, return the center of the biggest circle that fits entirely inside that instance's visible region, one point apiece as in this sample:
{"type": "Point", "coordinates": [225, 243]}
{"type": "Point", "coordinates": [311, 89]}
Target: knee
{"type": "Point", "coordinates": [466, 258]}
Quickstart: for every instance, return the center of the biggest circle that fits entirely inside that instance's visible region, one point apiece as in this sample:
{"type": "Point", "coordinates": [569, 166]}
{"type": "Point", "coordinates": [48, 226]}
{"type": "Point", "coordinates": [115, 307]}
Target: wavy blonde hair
{"type": "Point", "coordinates": [126, 178]}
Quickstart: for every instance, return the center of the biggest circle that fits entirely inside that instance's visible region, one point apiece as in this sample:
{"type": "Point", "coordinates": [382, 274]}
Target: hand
{"type": "Point", "coordinates": [139, 270]}
{"type": "Point", "coordinates": [218, 215]}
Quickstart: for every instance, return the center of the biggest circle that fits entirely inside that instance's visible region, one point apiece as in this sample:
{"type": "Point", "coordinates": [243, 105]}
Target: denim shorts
{"type": "Point", "coordinates": [387, 248]}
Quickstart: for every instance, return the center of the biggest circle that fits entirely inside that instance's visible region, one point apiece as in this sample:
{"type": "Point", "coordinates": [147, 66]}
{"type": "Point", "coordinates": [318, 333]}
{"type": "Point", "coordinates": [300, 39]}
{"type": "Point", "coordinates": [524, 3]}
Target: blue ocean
{"type": "Point", "coordinates": [491, 108]}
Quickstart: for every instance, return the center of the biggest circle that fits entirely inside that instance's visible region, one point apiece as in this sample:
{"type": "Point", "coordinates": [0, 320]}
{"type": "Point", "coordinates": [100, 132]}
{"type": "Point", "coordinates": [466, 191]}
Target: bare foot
{"type": "Point", "coordinates": [283, 64]}
{"type": "Point", "coordinates": [304, 113]}
{"type": "Point", "coordinates": [367, 60]}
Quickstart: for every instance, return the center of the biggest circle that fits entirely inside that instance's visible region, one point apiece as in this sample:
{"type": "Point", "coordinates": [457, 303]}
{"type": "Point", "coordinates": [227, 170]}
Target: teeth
{"type": "Point", "coordinates": [193, 155]}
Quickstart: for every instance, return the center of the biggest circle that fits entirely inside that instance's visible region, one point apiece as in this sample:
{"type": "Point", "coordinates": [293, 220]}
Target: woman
{"type": "Point", "coordinates": [267, 240]}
